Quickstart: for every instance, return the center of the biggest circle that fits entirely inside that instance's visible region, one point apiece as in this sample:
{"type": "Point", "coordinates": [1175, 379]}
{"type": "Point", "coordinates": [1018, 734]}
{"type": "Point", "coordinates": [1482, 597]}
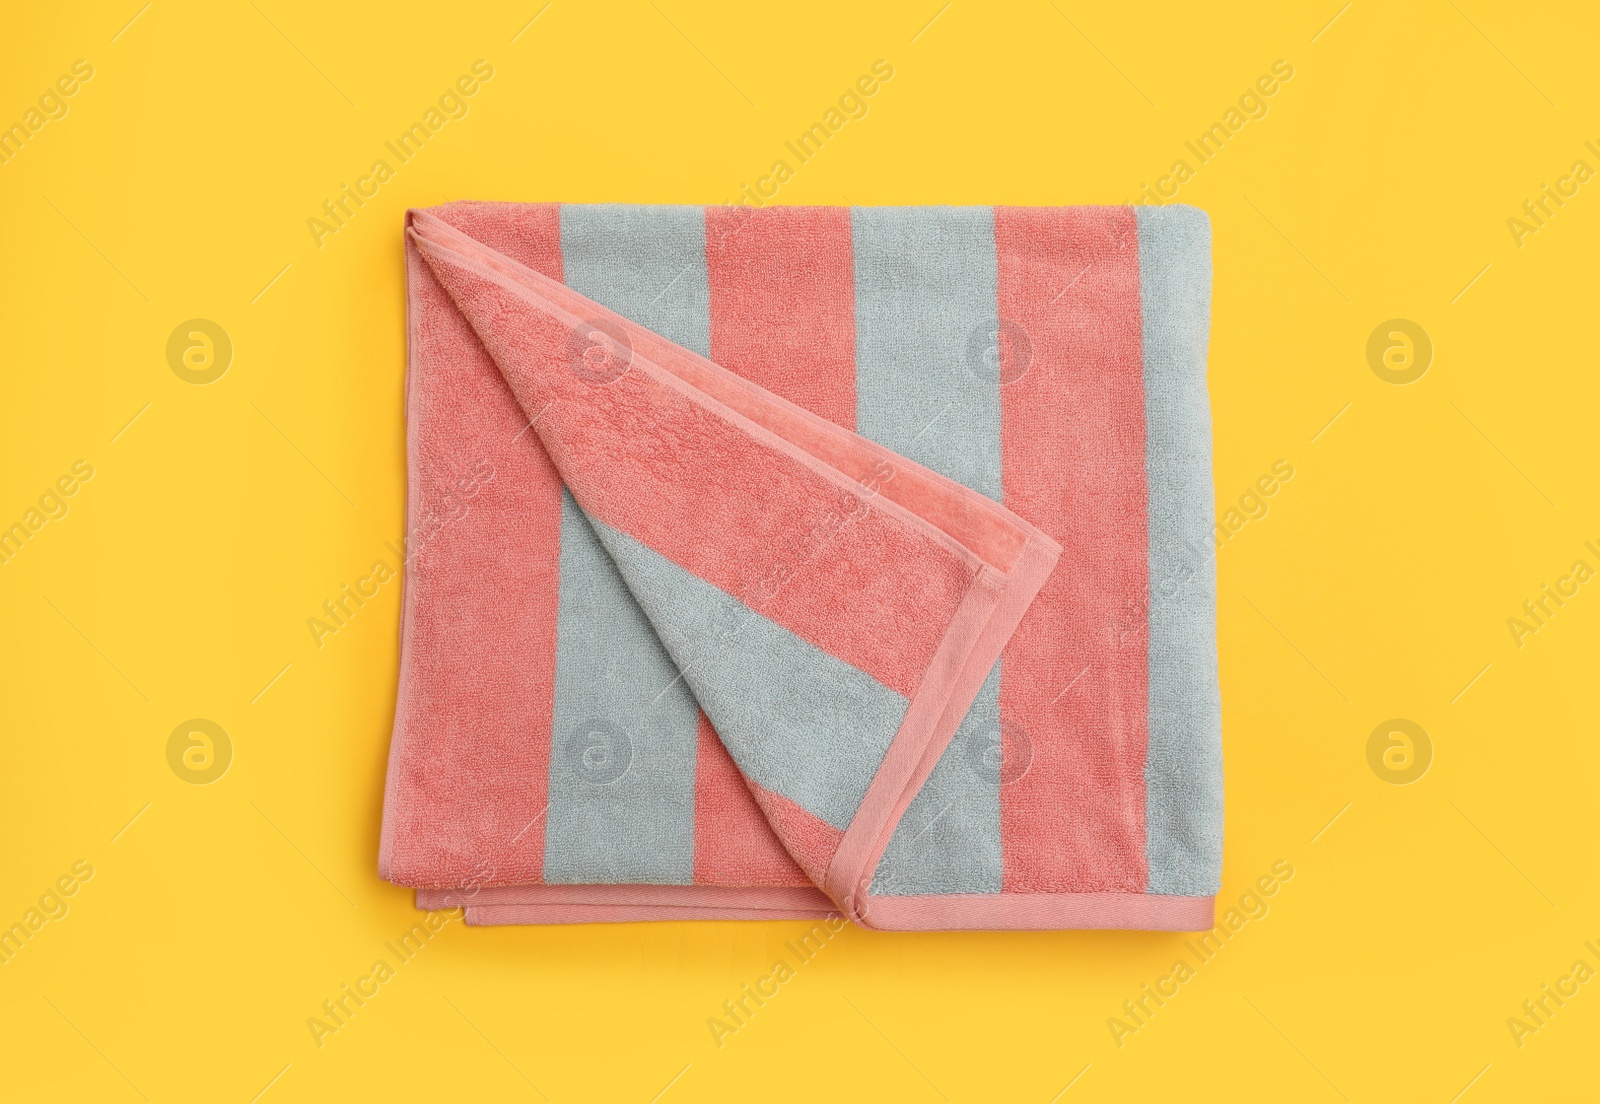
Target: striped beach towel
{"type": "Point", "coordinates": [774, 563]}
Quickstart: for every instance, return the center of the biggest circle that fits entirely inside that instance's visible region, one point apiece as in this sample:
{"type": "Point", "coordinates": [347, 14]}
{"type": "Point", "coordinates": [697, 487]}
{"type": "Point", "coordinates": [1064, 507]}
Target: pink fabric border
{"type": "Point", "coordinates": [955, 912]}
{"type": "Point", "coordinates": [664, 896]}
{"type": "Point", "coordinates": [489, 915]}
{"type": "Point", "coordinates": [1041, 911]}
{"type": "Point", "coordinates": [402, 719]}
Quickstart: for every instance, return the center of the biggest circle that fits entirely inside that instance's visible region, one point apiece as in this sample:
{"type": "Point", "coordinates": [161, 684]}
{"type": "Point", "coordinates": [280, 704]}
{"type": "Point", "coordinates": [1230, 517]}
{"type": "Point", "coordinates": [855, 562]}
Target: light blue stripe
{"type": "Point", "coordinates": [647, 263]}
{"type": "Point", "coordinates": [1183, 770]}
{"type": "Point", "coordinates": [928, 387]}
{"type": "Point", "coordinates": [623, 756]}
{"type": "Point", "coordinates": [949, 839]}
{"type": "Point", "coordinates": [926, 301]}
{"type": "Point", "coordinates": [798, 721]}
{"type": "Point", "coordinates": [622, 773]}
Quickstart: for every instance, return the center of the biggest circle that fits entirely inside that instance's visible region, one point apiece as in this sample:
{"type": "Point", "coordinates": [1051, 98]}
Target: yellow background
{"type": "Point", "coordinates": [1377, 586]}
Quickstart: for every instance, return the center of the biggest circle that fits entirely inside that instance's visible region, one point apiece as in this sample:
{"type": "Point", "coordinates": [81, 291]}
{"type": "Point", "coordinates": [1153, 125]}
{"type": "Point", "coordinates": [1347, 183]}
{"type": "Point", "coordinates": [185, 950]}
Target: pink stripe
{"type": "Point", "coordinates": [783, 317]}
{"type": "Point", "coordinates": [783, 303]}
{"type": "Point", "coordinates": [1074, 677]}
{"type": "Point", "coordinates": [733, 843]}
{"type": "Point", "coordinates": [528, 233]}
{"type": "Point", "coordinates": [477, 671]}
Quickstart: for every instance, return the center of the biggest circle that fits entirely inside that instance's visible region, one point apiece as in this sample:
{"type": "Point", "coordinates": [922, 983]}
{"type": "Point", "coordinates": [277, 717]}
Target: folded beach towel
{"type": "Point", "coordinates": [767, 563]}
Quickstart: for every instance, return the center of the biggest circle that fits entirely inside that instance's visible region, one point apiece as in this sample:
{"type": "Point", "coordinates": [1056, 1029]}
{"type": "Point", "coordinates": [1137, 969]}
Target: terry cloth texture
{"type": "Point", "coordinates": [768, 563]}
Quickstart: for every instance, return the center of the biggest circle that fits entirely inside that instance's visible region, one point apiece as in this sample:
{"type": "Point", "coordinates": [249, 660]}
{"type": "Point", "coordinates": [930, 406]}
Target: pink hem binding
{"type": "Point", "coordinates": [962, 911]}
{"type": "Point", "coordinates": [586, 904]}
{"type": "Point", "coordinates": [487, 915]}
{"type": "Point", "coordinates": [402, 719]}
{"type": "Point", "coordinates": [749, 898]}
{"type": "Point", "coordinates": [1041, 911]}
